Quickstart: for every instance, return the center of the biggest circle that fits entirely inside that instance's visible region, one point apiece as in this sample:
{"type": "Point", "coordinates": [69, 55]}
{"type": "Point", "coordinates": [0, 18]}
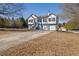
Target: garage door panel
{"type": "Point", "coordinates": [52, 27]}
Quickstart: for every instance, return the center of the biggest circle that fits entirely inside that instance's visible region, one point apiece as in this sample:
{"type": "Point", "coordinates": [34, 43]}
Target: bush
{"type": "Point", "coordinates": [72, 24]}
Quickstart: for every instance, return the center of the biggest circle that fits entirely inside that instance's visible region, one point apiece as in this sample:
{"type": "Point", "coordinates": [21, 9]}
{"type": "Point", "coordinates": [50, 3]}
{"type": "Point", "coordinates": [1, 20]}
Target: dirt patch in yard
{"type": "Point", "coordinates": [14, 29]}
{"type": "Point", "coordinates": [4, 32]}
{"type": "Point", "coordinates": [54, 43]}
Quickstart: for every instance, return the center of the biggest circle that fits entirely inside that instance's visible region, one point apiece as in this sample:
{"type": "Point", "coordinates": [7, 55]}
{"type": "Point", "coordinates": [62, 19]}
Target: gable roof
{"type": "Point", "coordinates": [31, 16]}
{"type": "Point", "coordinates": [45, 16]}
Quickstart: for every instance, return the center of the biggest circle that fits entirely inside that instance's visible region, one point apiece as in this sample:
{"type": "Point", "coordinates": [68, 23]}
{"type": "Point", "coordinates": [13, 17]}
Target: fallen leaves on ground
{"type": "Point", "coordinates": [52, 44]}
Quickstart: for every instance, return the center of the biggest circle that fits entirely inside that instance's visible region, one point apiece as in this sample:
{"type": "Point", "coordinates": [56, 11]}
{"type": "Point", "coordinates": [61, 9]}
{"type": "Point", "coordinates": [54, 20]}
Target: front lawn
{"type": "Point", "coordinates": [54, 43]}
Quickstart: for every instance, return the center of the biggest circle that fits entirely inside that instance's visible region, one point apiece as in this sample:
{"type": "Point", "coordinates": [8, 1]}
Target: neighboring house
{"type": "Point", "coordinates": [48, 22]}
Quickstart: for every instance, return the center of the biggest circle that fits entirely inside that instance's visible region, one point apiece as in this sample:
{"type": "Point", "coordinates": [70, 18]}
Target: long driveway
{"type": "Point", "coordinates": [14, 38]}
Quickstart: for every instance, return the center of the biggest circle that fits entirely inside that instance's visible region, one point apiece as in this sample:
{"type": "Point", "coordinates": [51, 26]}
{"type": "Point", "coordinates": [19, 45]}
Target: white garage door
{"type": "Point", "coordinates": [52, 27]}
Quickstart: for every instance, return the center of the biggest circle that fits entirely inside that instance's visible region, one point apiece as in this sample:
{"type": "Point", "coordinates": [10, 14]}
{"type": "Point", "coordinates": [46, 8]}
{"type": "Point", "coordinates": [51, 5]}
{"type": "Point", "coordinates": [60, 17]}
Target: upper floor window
{"type": "Point", "coordinates": [51, 19]}
{"type": "Point", "coordinates": [31, 21]}
{"type": "Point", "coordinates": [44, 20]}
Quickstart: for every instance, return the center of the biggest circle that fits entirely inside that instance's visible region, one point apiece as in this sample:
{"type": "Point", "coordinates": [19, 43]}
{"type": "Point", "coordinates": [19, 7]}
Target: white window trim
{"type": "Point", "coordinates": [44, 20]}
{"type": "Point", "coordinates": [30, 20]}
{"type": "Point", "coordinates": [51, 19]}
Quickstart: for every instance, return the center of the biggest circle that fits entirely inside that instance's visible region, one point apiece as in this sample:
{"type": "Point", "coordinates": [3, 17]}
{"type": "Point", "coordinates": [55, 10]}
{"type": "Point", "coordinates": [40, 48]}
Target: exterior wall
{"type": "Point", "coordinates": [43, 25]}
{"type": "Point", "coordinates": [49, 27]}
{"type": "Point", "coordinates": [40, 26]}
{"type": "Point", "coordinates": [34, 18]}
{"type": "Point", "coordinates": [57, 20]}
{"type": "Point", "coordinates": [30, 26]}
{"type": "Point", "coordinates": [44, 22]}
{"type": "Point", "coordinates": [30, 19]}
{"type": "Point", "coordinates": [52, 27]}
{"type": "Point", "coordinates": [53, 22]}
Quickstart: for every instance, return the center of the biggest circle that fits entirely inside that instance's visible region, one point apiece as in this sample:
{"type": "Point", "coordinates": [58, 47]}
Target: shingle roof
{"type": "Point", "coordinates": [44, 16]}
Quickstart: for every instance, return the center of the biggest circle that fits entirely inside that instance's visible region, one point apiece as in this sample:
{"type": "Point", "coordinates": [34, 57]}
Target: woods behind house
{"type": "Point", "coordinates": [8, 12]}
{"type": "Point", "coordinates": [13, 22]}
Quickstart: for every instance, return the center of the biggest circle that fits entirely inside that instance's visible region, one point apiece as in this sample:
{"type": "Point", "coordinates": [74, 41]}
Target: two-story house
{"type": "Point", "coordinates": [48, 22]}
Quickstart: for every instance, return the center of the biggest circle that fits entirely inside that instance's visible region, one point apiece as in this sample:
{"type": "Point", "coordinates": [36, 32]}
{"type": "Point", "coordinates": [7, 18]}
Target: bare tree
{"type": "Point", "coordinates": [9, 9]}
{"type": "Point", "coordinates": [70, 10]}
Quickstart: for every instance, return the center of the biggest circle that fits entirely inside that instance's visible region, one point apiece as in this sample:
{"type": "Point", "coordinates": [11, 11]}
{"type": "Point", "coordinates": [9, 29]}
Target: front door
{"type": "Point", "coordinates": [45, 27]}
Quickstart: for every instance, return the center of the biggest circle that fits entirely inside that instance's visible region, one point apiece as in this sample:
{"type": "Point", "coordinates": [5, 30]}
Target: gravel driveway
{"type": "Point", "coordinates": [14, 38]}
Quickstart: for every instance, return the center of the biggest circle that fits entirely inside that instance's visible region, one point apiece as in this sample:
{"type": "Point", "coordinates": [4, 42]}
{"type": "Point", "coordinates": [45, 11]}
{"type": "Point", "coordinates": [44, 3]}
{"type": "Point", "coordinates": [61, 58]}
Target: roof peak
{"type": "Point", "coordinates": [43, 15]}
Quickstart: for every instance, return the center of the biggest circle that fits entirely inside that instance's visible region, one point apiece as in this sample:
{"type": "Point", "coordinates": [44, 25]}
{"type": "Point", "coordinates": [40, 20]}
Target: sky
{"type": "Point", "coordinates": [41, 9]}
